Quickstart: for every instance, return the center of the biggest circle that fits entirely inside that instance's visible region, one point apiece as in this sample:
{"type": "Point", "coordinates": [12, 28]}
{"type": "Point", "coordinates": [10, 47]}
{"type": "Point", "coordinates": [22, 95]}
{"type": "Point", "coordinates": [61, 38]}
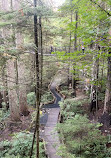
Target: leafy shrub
{"type": "Point", "coordinates": [101, 96]}
{"type": "Point", "coordinates": [19, 146]}
{"type": "Point", "coordinates": [31, 98]}
{"type": "Point", "coordinates": [82, 139]}
{"type": "Point", "coordinates": [47, 97]}
{"type": "Point", "coordinates": [4, 114]}
{"type": "Point", "coordinates": [70, 107]}
{"type": "Point", "coordinates": [66, 93]}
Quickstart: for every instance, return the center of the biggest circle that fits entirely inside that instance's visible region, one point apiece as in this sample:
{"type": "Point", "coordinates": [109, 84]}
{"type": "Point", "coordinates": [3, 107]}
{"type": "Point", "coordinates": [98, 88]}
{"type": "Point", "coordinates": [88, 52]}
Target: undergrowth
{"type": "Point", "coordinates": [70, 108]}
{"type": "Point", "coordinates": [79, 137]}
{"type": "Point", "coordinates": [65, 91]}
{"type": "Point", "coordinates": [31, 98]}
{"type": "Point", "coordinates": [47, 97]}
{"type": "Point", "coordinates": [19, 146]}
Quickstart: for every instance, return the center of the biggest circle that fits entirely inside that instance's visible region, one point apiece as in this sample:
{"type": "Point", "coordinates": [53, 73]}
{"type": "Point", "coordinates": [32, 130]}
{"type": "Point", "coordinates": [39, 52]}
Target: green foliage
{"type": "Point", "coordinates": [19, 146]}
{"type": "Point", "coordinates": [49, 70]}
{"type": "Point", "coordinates": [4, 114]}
{"type": "Point", "coordinates": [6, 23]}
{"type": "Point", "coordinates": [81, 138]}
{"type": "Point", "coordinates": [101, 96]}
{"type": "Point", "coordinates": [69, 108]}
{"type": "Point", "coordinates": [93, 25]}
{"type": "Point", "coordinates": [66, 93]}
{"type": "Point", "coordinates": [47, 97]}
{"type": "Point", "coordinates": [31, 98]}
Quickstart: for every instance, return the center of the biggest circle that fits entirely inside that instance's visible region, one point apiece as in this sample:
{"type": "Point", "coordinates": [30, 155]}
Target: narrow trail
{"type": "Point", "coordinates": [50, 135]}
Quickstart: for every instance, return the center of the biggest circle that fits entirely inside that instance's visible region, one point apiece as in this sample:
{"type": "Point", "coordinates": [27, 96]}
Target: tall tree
{"type": "Point", "coordinates": [41, 52]}
{"type": "Point", "coordinates": [36, 131]}
{"type": "Point", "coordinates": [11, 83]}
{"type": "Point", "coordinates": [107, 103]}
{"type": "Point", "coordinates": [75, 49]}
{"type": "Point", "coordinates": [94, 85]}
{"type": "Point", "coordinates": [20, 75]}
{"type": "Point", "coordinates": [5, 92]}
{"type": "Point", "coordinates": [13, 104]}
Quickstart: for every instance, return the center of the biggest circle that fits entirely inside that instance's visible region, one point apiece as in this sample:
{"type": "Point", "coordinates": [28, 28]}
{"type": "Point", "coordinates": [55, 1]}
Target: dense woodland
{"type": "Point", "coordinates": [46, 53]}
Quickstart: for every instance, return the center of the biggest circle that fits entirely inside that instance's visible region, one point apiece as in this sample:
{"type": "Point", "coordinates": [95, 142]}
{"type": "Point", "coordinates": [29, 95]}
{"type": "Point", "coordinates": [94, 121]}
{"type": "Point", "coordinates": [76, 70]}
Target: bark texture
{"type": "Point", "coordinates": [22, 88]}
{"type": "Point", "coordinates": [13, 104]}
{"type": "Point", "coordinates": [107, 103]}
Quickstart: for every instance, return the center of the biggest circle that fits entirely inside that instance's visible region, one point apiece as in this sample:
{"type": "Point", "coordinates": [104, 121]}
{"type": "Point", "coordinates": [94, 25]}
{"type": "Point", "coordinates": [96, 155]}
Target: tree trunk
{"type": "Point", "coordinates": [37, 82]}
{"type": "Point", "coordinates": [75, 36]}
{"type": "Point", "coordinates": [5, 92]}
{"type": "Point", "coordinates": [20, 77]}
{"type": "Point", "coordinates": [36, 131]}
{"type": "Point", "coordinates": [70, 38]}
{"type": "Point", "coordinates": [11, 84]}
{"type": "Point", "coordinates": [94, 86]}
{"type": "Point", "coordinates": [107, 103]}
{"type": "Point", "coordinates": [13, 104]}
{"type": "Point", "coordinates": [22, 87]}
{"type": "Point", "coordinates": [75, 49]}
{"type": "Point", "coordinates": [41, 52]}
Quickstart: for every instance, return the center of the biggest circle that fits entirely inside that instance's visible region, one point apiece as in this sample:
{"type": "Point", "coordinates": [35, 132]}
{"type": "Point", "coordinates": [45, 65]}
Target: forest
{"type": "Point", "coordinates": [55, 78]}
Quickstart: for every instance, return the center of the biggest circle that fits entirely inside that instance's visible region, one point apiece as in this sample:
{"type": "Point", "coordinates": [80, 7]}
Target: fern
{"type": "Point", "coordinates": [19, 146]}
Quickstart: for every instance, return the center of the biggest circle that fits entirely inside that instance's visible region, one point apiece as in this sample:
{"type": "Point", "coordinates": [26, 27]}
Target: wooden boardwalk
{"type": "Point", "coordinates": [50, 135]}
